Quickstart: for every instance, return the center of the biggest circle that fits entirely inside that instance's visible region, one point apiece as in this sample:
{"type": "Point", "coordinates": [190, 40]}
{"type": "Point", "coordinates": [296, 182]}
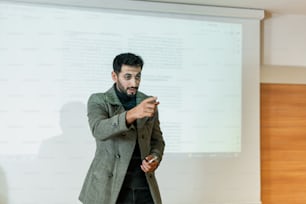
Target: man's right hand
{"type": "Point", "coordinates": [146, 108]}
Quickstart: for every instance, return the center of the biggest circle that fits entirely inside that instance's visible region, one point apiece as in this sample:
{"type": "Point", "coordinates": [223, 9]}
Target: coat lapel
{"type": "Point", "coordinates": [112, 98]}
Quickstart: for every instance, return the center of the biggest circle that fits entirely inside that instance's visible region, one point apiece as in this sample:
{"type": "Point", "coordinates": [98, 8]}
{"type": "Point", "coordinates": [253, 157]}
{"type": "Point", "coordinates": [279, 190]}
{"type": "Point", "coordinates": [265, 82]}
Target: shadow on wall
{"type": "Point", "coordinates": [63, 160]}
{"type": "Point", "coordinates": [3, 188]}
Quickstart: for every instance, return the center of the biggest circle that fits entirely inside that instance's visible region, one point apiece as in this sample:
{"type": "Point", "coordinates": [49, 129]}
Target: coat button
{"type": "Point", "coordinates": [117, 156]}
{"type": "Point", "coordinates": [110, 175]}
{"type": "Point", "coordinates": [142, 136]}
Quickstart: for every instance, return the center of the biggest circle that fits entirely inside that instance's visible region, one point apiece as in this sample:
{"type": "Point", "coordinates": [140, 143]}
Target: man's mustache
{"type": "Point", "coordinates": [133, 87]}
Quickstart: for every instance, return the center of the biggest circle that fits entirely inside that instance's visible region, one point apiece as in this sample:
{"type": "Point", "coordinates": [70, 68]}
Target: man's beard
{"type": "Point", "coordinates": [125, 91]}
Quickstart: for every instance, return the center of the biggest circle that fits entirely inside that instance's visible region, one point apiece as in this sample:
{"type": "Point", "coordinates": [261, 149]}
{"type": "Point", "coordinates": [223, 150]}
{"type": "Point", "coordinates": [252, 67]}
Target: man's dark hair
{"type": "Point", "coordinates": [126, 59]}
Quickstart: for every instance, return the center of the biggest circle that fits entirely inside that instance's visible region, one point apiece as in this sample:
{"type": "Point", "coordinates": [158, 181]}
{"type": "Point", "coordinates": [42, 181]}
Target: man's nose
{"type": "Point", "coordinates": [134, 81]}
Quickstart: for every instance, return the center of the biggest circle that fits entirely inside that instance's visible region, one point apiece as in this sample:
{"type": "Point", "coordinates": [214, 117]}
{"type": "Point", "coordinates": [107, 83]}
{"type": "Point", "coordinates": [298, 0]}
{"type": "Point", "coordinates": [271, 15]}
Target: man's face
{"type": "Point", "coordinates": [128, 80]}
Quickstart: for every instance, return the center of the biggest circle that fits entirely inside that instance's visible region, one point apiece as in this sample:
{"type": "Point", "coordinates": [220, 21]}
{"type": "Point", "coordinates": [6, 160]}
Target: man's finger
{"type": "Point", "coordinates": [150, 99]}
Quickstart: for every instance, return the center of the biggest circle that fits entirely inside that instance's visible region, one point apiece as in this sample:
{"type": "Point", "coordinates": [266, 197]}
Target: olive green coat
{"type": "Point", "coordinates": [115, 143]}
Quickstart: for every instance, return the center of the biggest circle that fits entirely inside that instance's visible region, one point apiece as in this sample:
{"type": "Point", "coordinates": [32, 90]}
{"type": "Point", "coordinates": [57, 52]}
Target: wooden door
{"type": "Point", "coordinates": [283, 144]}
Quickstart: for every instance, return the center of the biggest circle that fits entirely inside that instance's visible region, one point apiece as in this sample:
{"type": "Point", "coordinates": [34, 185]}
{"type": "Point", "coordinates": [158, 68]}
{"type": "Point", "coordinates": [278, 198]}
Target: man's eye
{"type": "Point", "coordinates": [127, 77]}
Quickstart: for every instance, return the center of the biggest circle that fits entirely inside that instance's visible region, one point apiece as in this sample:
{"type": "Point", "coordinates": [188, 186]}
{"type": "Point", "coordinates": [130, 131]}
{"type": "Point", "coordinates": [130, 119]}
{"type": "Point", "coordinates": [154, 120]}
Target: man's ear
{"type": "Point", "coordinates": [114, 76]}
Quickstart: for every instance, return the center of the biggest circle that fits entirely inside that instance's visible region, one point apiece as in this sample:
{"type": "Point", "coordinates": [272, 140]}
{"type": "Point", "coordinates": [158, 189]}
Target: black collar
{"type": "Point", "coordinates": [128, 102]}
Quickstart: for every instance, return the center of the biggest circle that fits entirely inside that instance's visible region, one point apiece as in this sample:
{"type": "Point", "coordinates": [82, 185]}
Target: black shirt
{"type": "Point", "coordinates": [135, 177]}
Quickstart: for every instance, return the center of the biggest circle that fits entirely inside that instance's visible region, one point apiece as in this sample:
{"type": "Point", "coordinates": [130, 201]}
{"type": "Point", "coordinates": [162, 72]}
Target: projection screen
{"type": "Point", "coordinates": [203, 69]}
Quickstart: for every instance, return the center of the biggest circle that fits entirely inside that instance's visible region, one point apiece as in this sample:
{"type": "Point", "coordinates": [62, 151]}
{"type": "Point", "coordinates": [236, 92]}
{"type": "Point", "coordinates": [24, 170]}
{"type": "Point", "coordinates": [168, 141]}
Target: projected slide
{"type": "Point", "coordinates": [50, 57]}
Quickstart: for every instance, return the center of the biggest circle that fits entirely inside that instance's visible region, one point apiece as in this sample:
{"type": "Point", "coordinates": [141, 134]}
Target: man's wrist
{"type": "Point", "coordinates": [129, 117]}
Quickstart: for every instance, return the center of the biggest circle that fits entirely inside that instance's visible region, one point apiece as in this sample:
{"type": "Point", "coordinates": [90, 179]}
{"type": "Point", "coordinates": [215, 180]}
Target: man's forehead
{"type": "Point", "coordinates": [125, 69]}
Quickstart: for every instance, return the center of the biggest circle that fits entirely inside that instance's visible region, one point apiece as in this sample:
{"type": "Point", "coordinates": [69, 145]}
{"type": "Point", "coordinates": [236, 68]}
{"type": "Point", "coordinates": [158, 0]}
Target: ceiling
{"type": "Point", "coordinates": [297, 7]}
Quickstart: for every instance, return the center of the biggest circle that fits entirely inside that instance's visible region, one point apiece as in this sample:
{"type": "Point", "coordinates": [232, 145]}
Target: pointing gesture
{"type": "Point", "coordinates": [146, 108]}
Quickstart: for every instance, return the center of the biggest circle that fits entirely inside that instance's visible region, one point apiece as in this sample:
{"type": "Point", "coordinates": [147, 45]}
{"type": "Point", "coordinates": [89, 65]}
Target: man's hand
{"type": "Point", "coordinates": [146, 108]}
{"type": "Point", "coordinates": [149, 164]}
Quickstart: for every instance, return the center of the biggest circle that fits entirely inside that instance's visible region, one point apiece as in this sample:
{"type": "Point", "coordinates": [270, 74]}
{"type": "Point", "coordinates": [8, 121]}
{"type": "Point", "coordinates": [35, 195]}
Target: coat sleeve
{"type": "Point", "coordinates": [157, 141]}
{"type": "Point", "coordinates": [101, 124]}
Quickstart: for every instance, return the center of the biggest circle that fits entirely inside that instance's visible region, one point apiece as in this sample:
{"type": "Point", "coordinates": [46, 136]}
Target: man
{"type": "Point", "coordinates": [129, 141]}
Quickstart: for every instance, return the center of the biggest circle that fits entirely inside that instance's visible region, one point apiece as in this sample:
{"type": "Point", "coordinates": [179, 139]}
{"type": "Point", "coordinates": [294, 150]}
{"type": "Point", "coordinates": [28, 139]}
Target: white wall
{"type": "Point", "coordinates": [284, 49]}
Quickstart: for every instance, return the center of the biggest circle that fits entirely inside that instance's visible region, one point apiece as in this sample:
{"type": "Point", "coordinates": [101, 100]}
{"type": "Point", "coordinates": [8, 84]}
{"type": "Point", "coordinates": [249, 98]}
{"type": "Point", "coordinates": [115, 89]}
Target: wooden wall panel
{"type": "Point", "coordinates": [283, 144]}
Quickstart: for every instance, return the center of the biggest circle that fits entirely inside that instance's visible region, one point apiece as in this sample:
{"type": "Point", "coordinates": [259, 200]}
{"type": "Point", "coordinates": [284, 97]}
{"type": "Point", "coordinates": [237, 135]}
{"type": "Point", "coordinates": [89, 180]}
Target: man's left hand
{"type": "Point", "coordinates": [149, 164]}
